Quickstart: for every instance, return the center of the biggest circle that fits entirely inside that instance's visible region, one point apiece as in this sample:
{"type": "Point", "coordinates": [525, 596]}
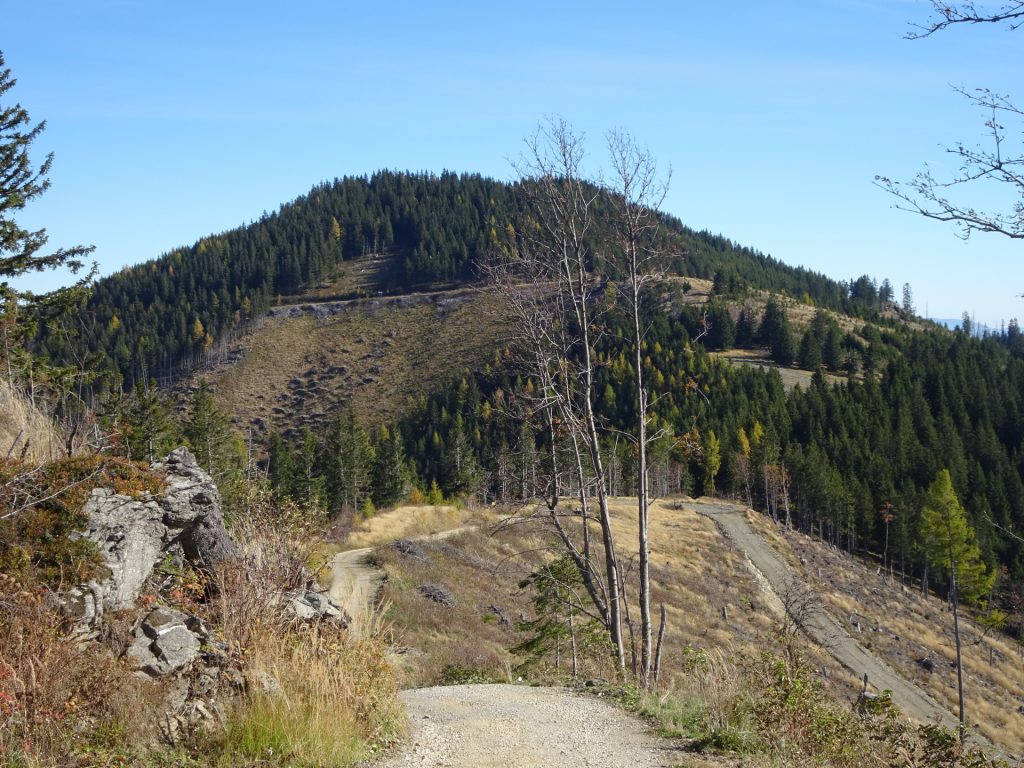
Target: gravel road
{"type": "Point", "coordinates": [479, 726]}
{"type": "Point", "coordinates": [820, 624]}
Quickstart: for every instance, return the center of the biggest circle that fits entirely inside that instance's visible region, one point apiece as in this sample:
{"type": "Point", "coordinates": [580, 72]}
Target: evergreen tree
{"type": "Point", "coordinates": [348, 462]}
{"type": "Point", "coordinates": [147, 424]}
{"type": "Point", "coordinates": [951, 544]}
{"type": "Point", "coordinates": [22, 250]}
{"type": "Point", "coordinates": [746, 331]}
{"type": "Point", "coordinates": [775, 333]}
{"type": "Point", "coordinates": [390, 476]}
{"type": "Point", "coordinates": [281, 469]}
{"type": "Point", "coordinates": [462, 474]}
{"type": "Point", "coordinates": [208, 432]}
{"type": "Point", "coordinates": [721, 328]}
{"type": "Point", "coordinates": [712, 461]}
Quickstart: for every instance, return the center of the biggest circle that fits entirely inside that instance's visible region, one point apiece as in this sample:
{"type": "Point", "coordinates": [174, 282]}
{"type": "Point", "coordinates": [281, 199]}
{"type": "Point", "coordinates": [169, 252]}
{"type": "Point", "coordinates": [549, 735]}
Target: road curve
{"type": "Point", "coordinates": [819, 623]}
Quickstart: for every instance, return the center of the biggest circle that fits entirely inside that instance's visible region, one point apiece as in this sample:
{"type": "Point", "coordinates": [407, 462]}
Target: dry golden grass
{"type": "Point", "coordinates": [409, 522]}
{"type": "Point", "coordinates": [333, 696]}
{"type": "Point", "coordinates": [901, 626]}
{"type": "Point", "coordinates": [374, 354]}
{"type": "Point", "coordinates": [695, 573]}
{"type": "Point", "coordinates": [714, 603]}
{"type": "Point", "coordinates": [25, 431]}
{"type": "Point", "coordinates": [758, 358]}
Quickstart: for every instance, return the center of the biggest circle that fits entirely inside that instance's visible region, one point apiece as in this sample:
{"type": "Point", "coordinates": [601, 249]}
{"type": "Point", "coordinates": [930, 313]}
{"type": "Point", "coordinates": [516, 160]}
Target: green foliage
{"type": "Point", "coordinates": [390, 474]}
{"type": "Point", "coordinates": [217, 448]}
{"type": "Point", "coordinates": [711, 460]}
{"type": "Point", "coordinates": [144, 421]}
{"type": "Point", "coordinates": [434, 495]}
{"type": "Point", "coordinates": [776, 334]}
{"type": "Point", "coordinates": [160, 314]}
{"type": "Point", "coordinates": [950, 542]}
{"type": "Point", "coordinates": [560, 624]}
{"type": "Point", "coordinates": [23, 182]}
{"type": "Point", "coordinates": [23, 314]}
{"type": "Point", "coordinates": [348, 462]}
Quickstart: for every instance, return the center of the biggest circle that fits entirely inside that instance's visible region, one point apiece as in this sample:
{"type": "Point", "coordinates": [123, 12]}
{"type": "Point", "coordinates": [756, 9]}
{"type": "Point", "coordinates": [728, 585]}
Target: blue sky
{"type": "Point", "coordinates": [173, 121]}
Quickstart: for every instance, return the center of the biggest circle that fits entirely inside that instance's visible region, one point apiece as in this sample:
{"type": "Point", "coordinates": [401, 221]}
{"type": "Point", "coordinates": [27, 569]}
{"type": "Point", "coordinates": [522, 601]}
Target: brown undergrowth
{"type": "Point", "coordinates": [309, 694]}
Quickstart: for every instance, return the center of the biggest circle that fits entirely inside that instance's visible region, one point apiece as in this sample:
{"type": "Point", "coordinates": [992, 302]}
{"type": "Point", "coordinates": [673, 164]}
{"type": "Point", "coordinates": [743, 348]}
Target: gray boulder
{"type": "Point", "coordinates": [164, 642]}
{"type": "Point", "coordinates": [134, 535]}
{"type": "Point", "coordinates": [309, 605]}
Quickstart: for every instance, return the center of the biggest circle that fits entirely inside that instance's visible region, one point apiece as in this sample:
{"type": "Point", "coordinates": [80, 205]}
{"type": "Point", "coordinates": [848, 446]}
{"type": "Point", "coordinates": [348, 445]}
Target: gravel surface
{"type": "Point", "coordinates": [820, 624]}
{"type": "Point", "coordinates": [478, 726]}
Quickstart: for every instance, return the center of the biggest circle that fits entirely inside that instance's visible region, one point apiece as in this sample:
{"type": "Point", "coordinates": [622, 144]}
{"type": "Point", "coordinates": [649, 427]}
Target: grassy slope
{"type": "Point", "coordinates": [696, 573]}
{"type": "Point", "coordinates": [901, 626]}
{"type": "Point", "coordinates": [380, 353]}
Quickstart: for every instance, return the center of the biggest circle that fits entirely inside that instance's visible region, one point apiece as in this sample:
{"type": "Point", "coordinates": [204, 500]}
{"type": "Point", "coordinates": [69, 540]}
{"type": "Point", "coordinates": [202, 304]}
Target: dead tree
{"type": "Point", "coordinates": [636, 194]}
{"type": "Point", "coordinates": [545, 277]}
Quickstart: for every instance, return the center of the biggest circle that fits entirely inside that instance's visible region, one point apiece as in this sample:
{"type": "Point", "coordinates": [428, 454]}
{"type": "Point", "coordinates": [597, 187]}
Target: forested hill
{"type": "Point", "coordinates": [146, 319]}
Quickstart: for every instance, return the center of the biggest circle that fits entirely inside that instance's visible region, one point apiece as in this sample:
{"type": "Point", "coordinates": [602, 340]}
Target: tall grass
{"type": "Point", "coordinates": [315, 694]}
{"type": "Point", "coordinates": [25, 431]}
{"type": "Point", "coordinates": [60, 701]}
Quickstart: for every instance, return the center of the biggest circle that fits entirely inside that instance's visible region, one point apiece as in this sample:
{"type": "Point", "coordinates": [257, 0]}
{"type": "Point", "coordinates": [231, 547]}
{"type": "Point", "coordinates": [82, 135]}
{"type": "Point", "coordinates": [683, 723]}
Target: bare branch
{"type": "Point", "coordinates": [950, 14]}
{"type": "Point", "coordinates": [999, 166]}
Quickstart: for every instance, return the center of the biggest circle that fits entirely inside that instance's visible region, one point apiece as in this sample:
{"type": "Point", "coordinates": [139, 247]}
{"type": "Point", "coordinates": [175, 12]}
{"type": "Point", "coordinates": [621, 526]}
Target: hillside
{"type": "Point", "coordinates": [151, 318]}
{"type": "Point", "coordinates": [723, 613]}
{"type": "Point", "coordinates": [382, 355]}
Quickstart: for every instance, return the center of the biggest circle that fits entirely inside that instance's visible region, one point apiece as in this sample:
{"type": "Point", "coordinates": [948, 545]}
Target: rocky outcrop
{"type": "Point", "coordinates": [134, 535]}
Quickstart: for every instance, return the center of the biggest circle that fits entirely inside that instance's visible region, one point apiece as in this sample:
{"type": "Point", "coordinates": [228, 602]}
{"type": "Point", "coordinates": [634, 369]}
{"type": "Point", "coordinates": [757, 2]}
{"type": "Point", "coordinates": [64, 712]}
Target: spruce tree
{"type": "Point", "coordinates": [23, 250]}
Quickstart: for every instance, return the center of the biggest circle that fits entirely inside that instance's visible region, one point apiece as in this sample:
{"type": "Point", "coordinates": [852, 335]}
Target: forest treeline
{"type": "Point", "coordinates": [848, 457]}
{"type": "Point", "coordinates": [145, 320]}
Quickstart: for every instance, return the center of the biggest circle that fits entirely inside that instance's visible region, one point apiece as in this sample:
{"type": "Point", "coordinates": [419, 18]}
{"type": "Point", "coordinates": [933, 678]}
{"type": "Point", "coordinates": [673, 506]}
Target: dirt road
{"type": "Point", "coordinates": [819, 623]}
{"type": "Point", "coordinates": [479, 726]}
{"type": "Point", "coordinates": [354, 585]}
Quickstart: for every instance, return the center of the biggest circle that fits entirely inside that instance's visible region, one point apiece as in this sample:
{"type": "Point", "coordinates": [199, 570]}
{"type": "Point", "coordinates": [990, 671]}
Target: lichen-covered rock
{"type": "Point", "coordinates": [192, 503]}
{"type": "Point", "coordinates": [164, 643]}
{"type": "Point", "coordinates": [133, 535]}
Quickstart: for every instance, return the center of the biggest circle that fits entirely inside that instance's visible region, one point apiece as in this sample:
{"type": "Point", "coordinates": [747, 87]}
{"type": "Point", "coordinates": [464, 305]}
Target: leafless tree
{"type": "Point", "coordinates": [950, 14]}
{"type": "Point", "coordinates": [545, 277]}
{"type": "Point", "coordinates": [637, 193]}
{"type": "Point", "coordinates": [553, 276]}
{"type": "Point", "coordinates": [996, 166]}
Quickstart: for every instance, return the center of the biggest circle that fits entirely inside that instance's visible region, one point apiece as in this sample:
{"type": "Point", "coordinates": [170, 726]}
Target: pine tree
{"type": "Point", "coordinates": [208, 431]}
{"type": "Point", "coordinates": [461, 472]}
{"type": "Point", "coordinates": [147, 424]}
{"type": "Point", "coordinates": [776, 334]}
{"type": "Point", "coordinates": [390, 476]}
{"type": "Point", "coordinates": [348, 462]}
{"type": "Point", "coordinates": [952, 546]}
{"type": "Point", "coordinates": [22, 250]}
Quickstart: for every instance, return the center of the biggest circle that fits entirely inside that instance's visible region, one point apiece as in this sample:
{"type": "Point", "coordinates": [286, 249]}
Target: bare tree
{"type": "Point", "coordinates": [950, 14]}
{"type": "Point", "coordinates": [637, 193]}
{"type": "Point", "coordinates": [546, 278]}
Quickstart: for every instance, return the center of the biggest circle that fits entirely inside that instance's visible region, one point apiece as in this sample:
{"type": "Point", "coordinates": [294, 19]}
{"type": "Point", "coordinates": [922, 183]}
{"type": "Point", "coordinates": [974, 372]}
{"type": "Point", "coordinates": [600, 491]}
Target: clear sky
{"type": "Point", "coordinates": [170, 121]}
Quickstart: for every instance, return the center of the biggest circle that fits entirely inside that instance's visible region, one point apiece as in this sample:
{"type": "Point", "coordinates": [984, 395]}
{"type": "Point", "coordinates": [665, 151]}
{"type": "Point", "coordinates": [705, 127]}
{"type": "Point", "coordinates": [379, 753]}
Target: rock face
{"type": "Point", "coordinates": [134, 535]}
